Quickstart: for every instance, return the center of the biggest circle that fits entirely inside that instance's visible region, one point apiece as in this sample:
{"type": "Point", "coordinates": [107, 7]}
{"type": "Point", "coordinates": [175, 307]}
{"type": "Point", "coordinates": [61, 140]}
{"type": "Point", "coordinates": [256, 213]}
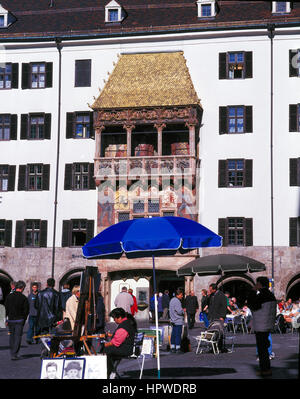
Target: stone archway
{"type": "Point", "coordinates": [238, 286]}
{"type": "Point", "coordinates": [5, 280]}
{"type": "Point", "coordinates": [293, 288]}
{"type": "Point", "coordinates": [72, 277]}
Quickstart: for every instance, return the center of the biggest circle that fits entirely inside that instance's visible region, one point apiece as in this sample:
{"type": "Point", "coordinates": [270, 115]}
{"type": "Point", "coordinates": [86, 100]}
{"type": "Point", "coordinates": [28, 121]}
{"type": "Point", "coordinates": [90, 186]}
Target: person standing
{"type": "Point", "coordinates": [32, 319]}
{"type": "Point", "coordinates": [72, 305]}
{"type": "Point", "coordinates": [65, 294]}
{"type": "Point", "coordinates": [124, 300]}
{"type": "Point", "coordinates": [217, 310]}
{"type": "Point", "coordinates": [177, 320]}
{"type": "Point", "coordinates": [262, 304]}
{"type": "Point", "coordinates": [133, 308]}
{"type": "Point", "coordinates": [204, 306]}
{"type": "Point", "coordinates": [49, 309]}
{"type": "Point", "coordinates": [165, 305]}
{"type": "Point", "coordinates": [191, 306]}
{"type": "Point", "coordinates": [17, 310]}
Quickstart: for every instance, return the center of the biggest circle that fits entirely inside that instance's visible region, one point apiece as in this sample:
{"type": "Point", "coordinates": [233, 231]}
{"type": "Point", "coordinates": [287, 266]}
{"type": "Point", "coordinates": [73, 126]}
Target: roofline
{"type": "Point", "coordinates": [80, 36]}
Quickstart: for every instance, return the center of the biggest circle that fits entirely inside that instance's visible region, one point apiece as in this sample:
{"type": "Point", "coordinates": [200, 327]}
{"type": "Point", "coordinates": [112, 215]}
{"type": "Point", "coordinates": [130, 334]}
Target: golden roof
{"type": "Point", "coordinates": [148, 80]}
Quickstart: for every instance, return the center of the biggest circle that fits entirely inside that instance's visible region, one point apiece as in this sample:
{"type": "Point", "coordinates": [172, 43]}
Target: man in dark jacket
{"type": "Point", "coordinates": [191, 306]}
{"type": "Point", "coordinates": [262, 304]}
{"type": "Point", "coordinates": [17, 309]}
{"type": "Point", "coordinates": [32, 319]}
{"type": "Point", "coordinates": [49, 309]}
{"type": "Point", "coordinates": [217, 309]}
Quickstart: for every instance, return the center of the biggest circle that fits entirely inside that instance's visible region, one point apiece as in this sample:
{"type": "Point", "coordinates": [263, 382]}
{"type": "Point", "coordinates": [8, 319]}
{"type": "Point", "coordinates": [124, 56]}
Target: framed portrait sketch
{"type": "Point", "coordinates": [73, 369]}
{"type": "Point", "coordinates": [95, 367]}
{"type": "Point", "coordinates": [52, 369]}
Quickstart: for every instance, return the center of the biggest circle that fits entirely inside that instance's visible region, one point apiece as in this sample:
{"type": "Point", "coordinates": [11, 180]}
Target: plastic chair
{"type": "Point", "coordinates": [239, 321]}
{"type": "Point", "coordinates": [210, 338]}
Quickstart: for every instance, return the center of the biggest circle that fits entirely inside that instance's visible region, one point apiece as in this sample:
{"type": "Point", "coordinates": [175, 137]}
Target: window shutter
{"type": "Point", "coordinates": [92, 184]}
{"type": "Point", "coordinates": [68, 176]}
{"type": "Point", "coordinates": [82, 73]}
{"type": "Point", "coordinates": [15, 76]}
{"type": "Point", "coordinates": [70, 125]}
{"type": "Point", "coordinates": [92, 133]}
{"type": "Point", "coordinates": [24, 126]}
{"type": "Point", "coordinates": [222, 173]}
{"type": "Point", "coordinates": [294, 171]}
{"type": "Point", "coordinates": [46, 177]}
{"type": "Point", "coordinates": [19, 239]}
{"type": "Point", "coordinates": [89, 230]}
{"type": "Point", "coordinates": [222, 230]}
{"type": "Point", "coordinates": [293, 232]}
{"type": "Point", "coordinates": [223, 120]}
{"type": "Point", "coordinates": [47, 126]}
{"type": "Point", "coordinates": [292, 71]}
{"type": "Point", "coordinates": [248, 117]}
{"type": "Point", "coordinates": [8, 233]}
{"type": "Point", "coordinates": [248, 172]}
{"type": "Point", "coordinates": [248, 64]}
{"type": "Point", "coordinates": [22, 178]}
{"type": "Point", "coordinates": [43, 233]}
{"type": "Point", "coordinates": [11, 177]}
{"type": "Point", "coordinates": [249, 232]}
{"type": "Point", "coordinates": [25, 76]}
{"type": "Point", "coordinates": [49, 74]}
{"type": "Point", "coordinates": [66, 233]}
{"type": "Point", "coordinates": [293, 118]}
{"type": "Point", "coordinates": [222, 66]}
{"type": "Point", "coordinates": [13, 126]}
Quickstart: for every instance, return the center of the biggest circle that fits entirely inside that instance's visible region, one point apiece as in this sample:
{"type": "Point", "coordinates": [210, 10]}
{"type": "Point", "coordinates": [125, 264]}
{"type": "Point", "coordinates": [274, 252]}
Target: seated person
{"type": "Point", "coordinates": [122, 341]}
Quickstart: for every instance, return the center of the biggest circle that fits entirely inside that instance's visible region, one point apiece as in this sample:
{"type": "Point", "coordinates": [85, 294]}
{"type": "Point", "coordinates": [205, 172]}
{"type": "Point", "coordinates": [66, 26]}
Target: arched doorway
{"type": "Point", "coordinates": [5, 280]}
{"type": "Point", "coordinates": [238, 286]}
{"type": "Point", "coordinates": [72, 277]}
{"type": "Point", "coordinates": [293, 288]}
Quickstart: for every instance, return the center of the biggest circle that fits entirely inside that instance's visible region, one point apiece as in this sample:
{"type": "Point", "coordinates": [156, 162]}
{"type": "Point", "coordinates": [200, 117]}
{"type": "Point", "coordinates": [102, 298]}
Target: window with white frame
{"type": "Point", "coordinates": [281, 7]}
{"type": "Point", "coordinates": [206, 8]}
{"type": "Point", "coordinates": [114, 12]}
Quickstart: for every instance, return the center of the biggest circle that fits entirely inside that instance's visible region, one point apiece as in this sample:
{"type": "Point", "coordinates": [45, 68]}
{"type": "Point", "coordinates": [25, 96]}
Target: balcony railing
{"type": "Point", "coordinates": [178, 165]}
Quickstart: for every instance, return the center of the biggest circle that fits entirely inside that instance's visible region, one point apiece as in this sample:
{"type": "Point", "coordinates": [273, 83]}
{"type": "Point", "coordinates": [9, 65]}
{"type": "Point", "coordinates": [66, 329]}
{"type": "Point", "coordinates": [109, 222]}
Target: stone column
{"type": "Point", "coordinates": [159, 127]}
{"type": "Point", "coordinates": [129, 128]}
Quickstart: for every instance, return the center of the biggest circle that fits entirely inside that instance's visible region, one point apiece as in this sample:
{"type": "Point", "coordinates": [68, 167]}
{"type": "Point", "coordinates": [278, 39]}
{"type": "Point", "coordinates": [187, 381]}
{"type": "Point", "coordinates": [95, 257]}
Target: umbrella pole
{"type": "Point", "coordinates": [156, 319]}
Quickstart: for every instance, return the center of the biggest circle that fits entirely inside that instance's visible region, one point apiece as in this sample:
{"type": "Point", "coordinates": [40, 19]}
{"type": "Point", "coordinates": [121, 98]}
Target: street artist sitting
{"type": "Point", "coordinates": [122, 341]}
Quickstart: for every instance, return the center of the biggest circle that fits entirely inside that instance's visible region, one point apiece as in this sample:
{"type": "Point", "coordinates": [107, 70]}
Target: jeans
{"type": "Point", "coordinates": [176, 336]}
{"type": "Point", "coordinates": [263, 344]}
{"type": "Point", "coordinates": [15, 338]}
{"type": "Point", "coordinates": [32, 330]}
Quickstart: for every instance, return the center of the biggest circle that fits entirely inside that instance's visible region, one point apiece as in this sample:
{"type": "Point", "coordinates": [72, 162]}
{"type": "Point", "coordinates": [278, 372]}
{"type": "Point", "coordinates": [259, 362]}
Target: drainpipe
{"type": "Point", "coordinates": [271, 34]}
{"type": "Point", "coordinates": [59, 47]}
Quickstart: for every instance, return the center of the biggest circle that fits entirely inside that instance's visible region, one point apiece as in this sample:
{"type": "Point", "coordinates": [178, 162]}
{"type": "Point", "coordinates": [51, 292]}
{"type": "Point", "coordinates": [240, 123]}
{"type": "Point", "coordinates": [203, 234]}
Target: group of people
{"type": "Point", "coordinates": [288, 314]}
{"type": "Point", "coordinates": [45, 309]}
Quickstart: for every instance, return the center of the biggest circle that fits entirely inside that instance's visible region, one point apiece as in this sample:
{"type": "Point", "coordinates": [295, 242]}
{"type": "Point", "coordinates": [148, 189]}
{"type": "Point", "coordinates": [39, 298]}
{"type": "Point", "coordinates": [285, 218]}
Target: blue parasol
{"type": "Point", "coordinates": [145, 237]}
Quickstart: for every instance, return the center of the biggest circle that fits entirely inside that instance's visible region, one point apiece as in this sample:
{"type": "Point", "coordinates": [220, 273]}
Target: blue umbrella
{"type": "Point", "coordinates": [143, 237]}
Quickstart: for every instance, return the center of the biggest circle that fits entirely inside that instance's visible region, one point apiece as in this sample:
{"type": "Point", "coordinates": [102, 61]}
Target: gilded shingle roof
{"type": "Point", "coordinates": [148, 80]}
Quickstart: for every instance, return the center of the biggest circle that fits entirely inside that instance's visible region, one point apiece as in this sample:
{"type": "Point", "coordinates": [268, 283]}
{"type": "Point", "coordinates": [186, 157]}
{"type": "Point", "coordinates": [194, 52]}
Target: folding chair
{"type": "Point", "coordinates": [210, 338]}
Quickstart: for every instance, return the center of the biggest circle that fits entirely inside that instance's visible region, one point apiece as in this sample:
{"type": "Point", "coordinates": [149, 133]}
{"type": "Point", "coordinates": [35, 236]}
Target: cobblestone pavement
{"type": "Point", "coordinates": [240, 364]}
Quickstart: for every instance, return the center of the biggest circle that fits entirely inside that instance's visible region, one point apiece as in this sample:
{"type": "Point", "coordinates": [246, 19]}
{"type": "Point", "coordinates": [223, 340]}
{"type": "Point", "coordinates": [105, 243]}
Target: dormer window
{"type": "Point", "coordinates": [206, 8]}
{"type": "Point", "coordinates": [114, 12]}
{"type": "Point", "coordinates": [6, 18]}
{"type": "Point", "coordinates": [281, 7]}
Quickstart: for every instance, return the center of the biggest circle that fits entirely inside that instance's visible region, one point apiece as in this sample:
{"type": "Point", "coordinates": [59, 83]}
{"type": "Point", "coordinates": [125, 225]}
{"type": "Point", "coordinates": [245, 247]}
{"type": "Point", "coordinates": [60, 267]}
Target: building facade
{"type": "Point", "coordinates": [111, 111]}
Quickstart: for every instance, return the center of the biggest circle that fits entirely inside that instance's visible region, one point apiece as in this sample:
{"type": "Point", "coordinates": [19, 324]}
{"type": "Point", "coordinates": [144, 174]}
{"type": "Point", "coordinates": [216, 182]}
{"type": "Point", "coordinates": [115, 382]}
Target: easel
{"type": "Point", "coordinates": [85, 322]}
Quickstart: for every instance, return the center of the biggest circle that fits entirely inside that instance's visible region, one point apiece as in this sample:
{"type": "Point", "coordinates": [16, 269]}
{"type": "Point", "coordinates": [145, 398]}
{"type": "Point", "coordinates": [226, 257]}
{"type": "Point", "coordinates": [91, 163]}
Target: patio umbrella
{"type": "Point", "coordinates": [219, 264]}
{"type": "Point", "coordinates": [145, 237]}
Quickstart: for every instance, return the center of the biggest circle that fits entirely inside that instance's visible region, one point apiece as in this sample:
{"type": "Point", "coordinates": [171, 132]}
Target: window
{"type": "Point", "coordinates": [37, 75]}
{"type": "Point", "coordinates": [294, 63]}
{"type": "Point", "coordinates": [31, 233]}
{"type": "Point", "coordinates": [33, 177]}
{"type": "Point", "coordinates": [281, 7]}
{"type": "Point", "coordinates": [295, 172]}
{"type": "Point", "coordinates": [153, 206]}
{"type": "Point", "coordinates": [236, 231]}
{"type": "Point", "coordinates": [5, 75]}
{"type": "Point", "coordinates": [206, 8]}
{"type": "Point", "coordinates": [114, 12]}
{"type": "Point", "coordinates": [2, 21]}
{"type": "Point", "coordinates": [113, 15]}
{"type": "Point", "coordinates": [77, 232]}
{"type": "Point", "coordinates": [294, 230]}
{"type": "Point", "coordinates": [235, 119]}
{"type": "Point", "coordinates": [138, 206]}
{"type": "Point", "coordinates": [5, 233]}
{"type": "Point", "coordinates": [122, 216]}
{"type": "Point", "coordinates": [79, 176]}
{"type": "Point", "coordinates": [3, 177]}
{"type": "Point", "coordinates": [169, 213]}
{"type": "Point", "coordinates": [4, 127]}
{"type": "Point", "coordinates": [36, 127]}
{"type": "Point", "coordinates": [235, 173]}
{"type": "Point", "coordinates": [79, 125]}
{"type": "Point", "coordinates": [82, 73]}
{"type": "Point", "coordinates": [235, 65]}
{"type": "Point", "coordinates": [294, 117]}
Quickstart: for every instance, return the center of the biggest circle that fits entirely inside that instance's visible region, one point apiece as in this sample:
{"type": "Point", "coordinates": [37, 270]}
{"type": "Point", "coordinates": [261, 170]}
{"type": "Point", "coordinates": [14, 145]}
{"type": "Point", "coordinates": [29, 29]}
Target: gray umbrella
{"type": "Point", "coordinates": [219, 264]}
